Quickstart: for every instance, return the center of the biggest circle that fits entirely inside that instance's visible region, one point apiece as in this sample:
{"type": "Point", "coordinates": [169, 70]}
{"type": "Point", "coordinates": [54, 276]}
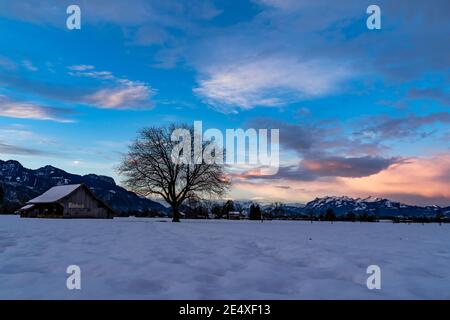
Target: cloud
{"type": "Point", "coordinates": [295, 50]}
{"type": "Point", "coordinates": [29, 66]}
{"type": "Point", "coordinates": [280, 4]}
{"type": "Point", "coordinates": [310, 138]}
{"type": "Point", "coordinates": [15, 150]}
{"type": "Point", "coordinates": [347, 167]}
{"type": "Point", "coordinates": [419, 181]}
{"type": "Point", "coordinates": [88, 71]}
{"type": "Point", "coordinates": [81, 67]}
{"type": "Point", "coordinates": [281, 51]}
{"type": "Point", "coordinates": [29, 110]}
{"type": "Point", "coordinates": [7, 64]}
{"type": "Point", "coordinates": [149, 35]}
{"type": "Point", "coordinates": [411, 126]}
{"type": "Point", "coordinates": [315, 168]}
{"type": "Point", "coordinates": [119, 94]}
{"type": "Point", "coordinates": [169, 13]}
{"type": "Point", "coordinates": [51, 88]}
{"type": "Point", "coordinates": [20, 135]}
{"type": "Point", "coordinates": [420, 177]}
{"type": "Point", "coordinates": [102, 75]}
{"type": "Point", "coordinates": [268, 81]}
{"type": "Point", "coordinates": [102, 89]}
{"type": "Point", "coordinates": [352, 161]}
{"type": "Point", "coordinates": [126, 95]}
{"type": "Point", "coordinates": [437, 94]}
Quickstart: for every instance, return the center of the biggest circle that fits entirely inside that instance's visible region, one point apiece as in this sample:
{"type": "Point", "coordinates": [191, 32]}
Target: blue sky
{"type": "Point", "coordinates": [361, 112]}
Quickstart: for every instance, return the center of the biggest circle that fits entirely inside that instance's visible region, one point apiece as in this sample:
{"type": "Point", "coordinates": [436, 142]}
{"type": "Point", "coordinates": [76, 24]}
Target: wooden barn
{"type": "Point", "coordinates": [68, 201]}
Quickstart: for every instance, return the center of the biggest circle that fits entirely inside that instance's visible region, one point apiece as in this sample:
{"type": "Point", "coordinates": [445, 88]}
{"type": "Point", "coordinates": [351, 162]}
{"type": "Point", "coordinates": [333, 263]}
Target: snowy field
{"type": "Point", "coordinates": [133, 258]}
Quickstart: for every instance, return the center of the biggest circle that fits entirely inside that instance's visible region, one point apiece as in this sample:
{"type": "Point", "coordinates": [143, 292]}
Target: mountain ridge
{"type": "Point", "coordinates": [342, 205]}
{"type": "Point", "coordinates": [21, 184]}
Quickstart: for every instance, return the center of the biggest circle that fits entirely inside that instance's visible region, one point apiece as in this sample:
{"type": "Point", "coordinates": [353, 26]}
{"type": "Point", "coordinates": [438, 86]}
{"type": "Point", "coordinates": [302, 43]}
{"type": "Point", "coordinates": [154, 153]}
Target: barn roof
{"type": "Point", "coordinates": [27, 207]}
{"type": "Point", "coordinates": [55, 194]}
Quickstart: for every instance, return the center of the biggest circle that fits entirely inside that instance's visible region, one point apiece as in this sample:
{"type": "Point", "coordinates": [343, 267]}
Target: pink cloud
{"type": "Point", "coordinates": [420, 180]}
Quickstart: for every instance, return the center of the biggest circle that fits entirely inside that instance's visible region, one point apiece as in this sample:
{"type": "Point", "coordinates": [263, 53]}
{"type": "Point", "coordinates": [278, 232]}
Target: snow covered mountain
{"type": "Point", "coordinates": [372, 206]}
{"type": "Point", "coordinates": [342, 205]}
{"type": "Point", "coordinates": [20, 184]}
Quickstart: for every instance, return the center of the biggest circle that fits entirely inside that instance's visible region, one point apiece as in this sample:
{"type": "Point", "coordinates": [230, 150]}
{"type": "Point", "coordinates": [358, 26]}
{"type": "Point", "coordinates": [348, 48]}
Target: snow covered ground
{"type": "Point", "coordinates": [133, 258]}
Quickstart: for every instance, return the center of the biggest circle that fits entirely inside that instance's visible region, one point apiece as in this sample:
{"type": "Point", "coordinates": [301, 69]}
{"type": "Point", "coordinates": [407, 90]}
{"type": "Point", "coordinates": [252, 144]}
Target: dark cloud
{"type": "Point", "coordinates": [347, 167]}
{"type": "Point", "coordinates": [300, 138]}
{"type": "Point", "coordinates": [326, 150]}
{"type": "Point", "coordinates": [160, 14]}
{"type": "Point", "coordinates": [313, 137]}
{"type": "Point", "coordinates": [16, 150]}
{"type": "Point", "coordinates": [320, 167]}
{"type": "Point", "coordinates": [417, 199]}
{"type": "Point", "coordinates": [283, 187]}
{"type": "Point", "coordinates": [291, 172]}
{"type": "Point", "coordinates": [51, 90]}
{"type": "Point", "coordinates": [411, 126]}
{"type": "Point", "coordinates": [430, 93]}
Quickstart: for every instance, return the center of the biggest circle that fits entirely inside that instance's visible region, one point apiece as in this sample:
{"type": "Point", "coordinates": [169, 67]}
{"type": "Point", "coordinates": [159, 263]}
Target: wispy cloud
{"type": "Point", "coordinates": [102, 89]}
{"type": "Point", "coordinates": [7, 64]}
{"type": "Point", "coordinates": [81, 67]}
{"type": "Point", "coordinates": [407, 127]}
{"type": "Point", "coordinates": [88, 71]}
{"type": "Point", "coordinates": [29, 65]}
{"type": "Point", "coordinates": [125, 94]}
{"type": "Point", "coordinates": [437, 94]}
{"type": "Point", "coordinates": [268, 81]}
{"type": "Point", "coordinates": [20, 135]}
{"type": "Point", "coordinates": [16, 150]}
{"type": "Point", "coordinates": [310, 169]}
{"type": "Point", "coordinates": [119, 93]}
{"type": "Point", "coordinates": [29, 110]}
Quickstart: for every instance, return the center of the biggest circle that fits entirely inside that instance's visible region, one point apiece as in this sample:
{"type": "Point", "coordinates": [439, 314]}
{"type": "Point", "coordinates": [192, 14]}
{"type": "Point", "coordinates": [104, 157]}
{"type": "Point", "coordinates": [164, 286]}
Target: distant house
{"type": "Point", "coordinates": [234, 215]}
{"type": "Point", "coordinates": [67, 201]}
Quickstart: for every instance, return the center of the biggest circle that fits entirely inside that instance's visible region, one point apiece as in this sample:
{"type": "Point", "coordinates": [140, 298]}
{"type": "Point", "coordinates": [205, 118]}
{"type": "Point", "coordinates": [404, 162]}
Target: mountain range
{"type": "Point", "coordinates": [378, 207]}
{"type": "Point", "coordinates": [20, 184]}
{"type": "Point", "coordinates": [371, 206]}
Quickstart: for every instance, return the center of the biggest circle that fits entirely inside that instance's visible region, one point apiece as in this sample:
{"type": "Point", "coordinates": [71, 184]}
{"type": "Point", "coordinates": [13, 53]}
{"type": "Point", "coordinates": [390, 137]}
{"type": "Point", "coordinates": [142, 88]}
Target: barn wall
{"type": "Point", "coordinates": [82, 204]}
{"type": "Point", "coordinates": [47, 210]}
{"type": "Point", "coordinates": [30, 213]}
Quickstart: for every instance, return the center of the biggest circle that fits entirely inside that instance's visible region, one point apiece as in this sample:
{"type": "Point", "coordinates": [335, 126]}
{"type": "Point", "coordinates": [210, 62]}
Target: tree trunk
{"type": "Point", "coordinates": [175, 214]}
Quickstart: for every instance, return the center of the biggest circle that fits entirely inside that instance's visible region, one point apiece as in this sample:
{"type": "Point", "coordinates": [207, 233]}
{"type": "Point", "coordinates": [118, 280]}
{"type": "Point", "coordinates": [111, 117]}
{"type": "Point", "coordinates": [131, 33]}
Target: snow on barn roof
{"type": "Point", "coordinates": [28, 206]}
{"type": "Point", "coordinates": [55, 194]}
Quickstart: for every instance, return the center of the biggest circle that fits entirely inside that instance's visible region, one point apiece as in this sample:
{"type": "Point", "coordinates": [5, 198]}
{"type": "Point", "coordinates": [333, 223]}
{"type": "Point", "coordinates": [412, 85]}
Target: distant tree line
{"type": "Point", "coordinates": [5, 206]}
{"type": "Point", "coordinates": [197, 209]}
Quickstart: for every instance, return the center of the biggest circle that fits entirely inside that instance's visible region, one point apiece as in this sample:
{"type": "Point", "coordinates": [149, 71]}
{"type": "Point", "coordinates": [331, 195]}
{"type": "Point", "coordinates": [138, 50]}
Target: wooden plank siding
{"type": "Point", "coordinates": [81, 204]}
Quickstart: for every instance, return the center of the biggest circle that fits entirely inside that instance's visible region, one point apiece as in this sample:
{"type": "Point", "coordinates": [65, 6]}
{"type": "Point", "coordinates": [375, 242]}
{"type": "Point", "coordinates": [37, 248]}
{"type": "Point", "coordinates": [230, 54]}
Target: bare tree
{"type": "Point", "coordinates": [150, 168]}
